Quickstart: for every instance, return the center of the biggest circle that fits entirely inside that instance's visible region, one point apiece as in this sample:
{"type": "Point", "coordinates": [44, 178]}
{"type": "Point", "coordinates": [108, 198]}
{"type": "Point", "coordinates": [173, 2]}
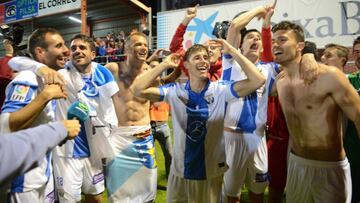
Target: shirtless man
{"type": "Point", "coordinates": [132, 174]}
{"type": "Point", "coordinates": [318, 169]}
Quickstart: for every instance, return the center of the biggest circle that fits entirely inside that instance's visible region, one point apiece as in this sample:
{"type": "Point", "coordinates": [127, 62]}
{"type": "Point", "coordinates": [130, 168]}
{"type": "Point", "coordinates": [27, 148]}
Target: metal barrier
{"type": "Point", "coordinates": [110, 58]}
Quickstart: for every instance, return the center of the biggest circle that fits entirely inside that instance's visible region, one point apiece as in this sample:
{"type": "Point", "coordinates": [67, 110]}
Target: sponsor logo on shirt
{"type": "Point", "coordinates": [260, 178]}
{"type": "Point", "coordinates": [98, 178]}
{"type": "Point", "coordinates": [19, 93]}
{"type": "Point", "coordinates": [197, 130]}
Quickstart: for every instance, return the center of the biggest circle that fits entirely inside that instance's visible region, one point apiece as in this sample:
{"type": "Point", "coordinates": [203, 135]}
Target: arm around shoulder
{"type": "Point", "coordinates": [345, 96]}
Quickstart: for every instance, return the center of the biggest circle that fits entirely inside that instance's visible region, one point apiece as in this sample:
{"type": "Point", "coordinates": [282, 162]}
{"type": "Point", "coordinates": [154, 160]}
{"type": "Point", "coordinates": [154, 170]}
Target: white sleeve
{"type": "Point", "coordinates": [227, 89]}
{"type": "Point", "coordinates": [21, 63]}
{"type": "Point", "coordinates": [4, 123]}
{"type": "Point", "coordinates": [166, 90]}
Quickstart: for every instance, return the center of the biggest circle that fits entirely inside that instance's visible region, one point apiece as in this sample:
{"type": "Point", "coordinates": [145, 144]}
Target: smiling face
{"type": "Point", "coordinates": [285, 46]}
{"type": "Point", "coordinates": [251, 45]}
{"type": "Point", "coordinates": [136, 47]}
{"type": "Point", "coordinates": [197, 62]}
{"type": "Point", "coordinates": [81, 54]}
{"type": "Point", "coordinates": [56, 54]}
{"type": "Point", "coordinates": [287, 43]}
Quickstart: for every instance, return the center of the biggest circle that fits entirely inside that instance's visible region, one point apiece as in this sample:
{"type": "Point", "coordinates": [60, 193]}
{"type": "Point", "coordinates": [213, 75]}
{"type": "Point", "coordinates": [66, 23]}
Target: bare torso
{"type": "Point", "coordinates": [130, 110]}
{"type": "Point", "coordinates": [313, 118]}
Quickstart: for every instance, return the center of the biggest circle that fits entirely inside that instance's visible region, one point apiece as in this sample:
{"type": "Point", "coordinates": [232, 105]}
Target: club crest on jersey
{"type": "Point", "coordinates": [19, 93]}
{"type": "Point", "coordinates": [209, 99]}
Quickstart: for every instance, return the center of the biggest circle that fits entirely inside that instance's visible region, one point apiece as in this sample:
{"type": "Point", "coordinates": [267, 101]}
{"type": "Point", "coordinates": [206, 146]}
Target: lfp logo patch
{"type": "Point", "coordinates": [19, 93]}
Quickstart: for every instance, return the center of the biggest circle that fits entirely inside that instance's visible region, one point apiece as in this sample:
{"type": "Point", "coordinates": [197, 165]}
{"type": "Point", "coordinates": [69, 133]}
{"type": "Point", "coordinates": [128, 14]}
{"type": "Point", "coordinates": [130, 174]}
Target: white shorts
{"type": "Point", "coordinates": [317, 181]}
{"type": "Point", "coordinates": [132, 175]}
{"type": "Point", "coordinates": [246, 155]}
{"type": "Point", "coordinates": [74, 176]}
{"type": "Point", "coordinates": [45, 194]}
{"type": "Point", "coordinates": [185, 190]}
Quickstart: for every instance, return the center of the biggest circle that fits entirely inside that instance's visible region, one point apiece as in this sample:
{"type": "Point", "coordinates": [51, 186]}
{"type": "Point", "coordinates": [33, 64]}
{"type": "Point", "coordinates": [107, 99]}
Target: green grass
{"type": "Point", "coordinates": [161, 194]}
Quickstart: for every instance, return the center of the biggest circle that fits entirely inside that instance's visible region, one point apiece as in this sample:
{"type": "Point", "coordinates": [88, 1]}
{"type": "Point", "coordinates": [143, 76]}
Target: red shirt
{"type": "Point", "coordinates": [177, 47]}
{"type": "Point", "coordinates": [5, 71]}
{"type": "Point", "coordinates": [5, 77]}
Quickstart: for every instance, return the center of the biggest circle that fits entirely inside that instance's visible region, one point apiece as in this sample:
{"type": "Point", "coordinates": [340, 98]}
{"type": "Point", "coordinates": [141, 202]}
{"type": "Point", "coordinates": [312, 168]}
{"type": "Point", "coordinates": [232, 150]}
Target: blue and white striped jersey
{"type": "Point", "coordinates": [20, 92]}
{"type": "Point", "coordinates": [248, 114]}
{"type": "Point", "coordinates": [198, 122]}
{"type": "Point", "coordinates": [95, 90]}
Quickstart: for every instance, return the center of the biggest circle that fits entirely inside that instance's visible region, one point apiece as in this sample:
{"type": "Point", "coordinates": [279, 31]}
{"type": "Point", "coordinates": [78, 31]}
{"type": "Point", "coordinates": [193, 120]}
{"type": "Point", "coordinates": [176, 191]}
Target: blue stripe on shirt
{"type": "Point", "coordinates": [48, 165]}
{"type": "Point", "coordinates": [227, 74]}
{"type": "Point", "coordinates": [248, 114]}
{"type": "Point", "coordinates": [197, 116]}
{"type": "Point", "coordinates": [270, 85]}
{"type": "Point", "coordinates": [81, 146]}
{"type": "Point", "coordinates": [17, 185]}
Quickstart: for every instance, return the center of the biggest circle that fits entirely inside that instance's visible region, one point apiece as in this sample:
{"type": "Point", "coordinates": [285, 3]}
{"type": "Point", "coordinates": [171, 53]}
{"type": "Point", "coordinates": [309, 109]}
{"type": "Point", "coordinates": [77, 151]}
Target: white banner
{"type": "Point", "coordinates": [51, 7]}
{"type": "Point", "coordinates": [324, 21]}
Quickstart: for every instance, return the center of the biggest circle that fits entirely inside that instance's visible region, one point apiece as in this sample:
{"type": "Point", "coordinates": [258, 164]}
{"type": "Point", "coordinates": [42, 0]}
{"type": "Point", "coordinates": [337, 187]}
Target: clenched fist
{"type": "Point", "coordinates": [72, 128]}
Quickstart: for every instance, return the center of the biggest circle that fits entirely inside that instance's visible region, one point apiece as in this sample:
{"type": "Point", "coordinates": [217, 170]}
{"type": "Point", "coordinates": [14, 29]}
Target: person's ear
{"type": "Point", "coordinates": [343, 61]}
{"type": "Point", "coordinates": [186, 64]}
{"type": "Point", "coordinates": [39, 52]}
{"type": "Point", "coordinates": [93, 55]}
{"type": "Point", "coordinates": [300, 46]}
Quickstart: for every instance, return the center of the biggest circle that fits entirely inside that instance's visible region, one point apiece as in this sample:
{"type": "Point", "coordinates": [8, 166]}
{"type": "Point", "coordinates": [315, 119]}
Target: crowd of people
{"type": "Point", "coordinates": [256, 109]}
{"type": "Point", "coordinates": [110, 48]}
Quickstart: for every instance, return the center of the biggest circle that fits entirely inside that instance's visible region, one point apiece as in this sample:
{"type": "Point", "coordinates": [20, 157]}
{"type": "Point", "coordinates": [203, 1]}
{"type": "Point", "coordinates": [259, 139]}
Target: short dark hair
{"type": "Point", "coordinates": [287, 25]}
{"type": "Point", "coordinates": [192, 49]}
{"type": "Point", "coordinates": [245, 31]}
{"type": "Point", "coordinates": [37, 39]}
{"type": "Point", "coordinates": [86, 39]}
{"type": "Point", "coordinates": [310, 47]}
{"type": "Point", "coordinates": [356, 41]}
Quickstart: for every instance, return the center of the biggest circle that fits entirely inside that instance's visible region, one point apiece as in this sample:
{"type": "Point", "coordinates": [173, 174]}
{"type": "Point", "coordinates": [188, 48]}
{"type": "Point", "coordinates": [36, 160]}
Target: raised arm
{"type": "Point", "coordinates": [266, 37]}
{"type": "Point", "coordinates": [254, 78]}
{"type": "Point", "coordinates": [22, 63]}
{"type": "Point", "coordinates": [178, 38]}
{"type": "Point", "coordinates": [237, 24]}
{"type": "Point", "coordinates": [141, 85]}
{"type": "Point", "coordinates": [345, 96]}
{"type": "Point", "coordinates": [155, 56]}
